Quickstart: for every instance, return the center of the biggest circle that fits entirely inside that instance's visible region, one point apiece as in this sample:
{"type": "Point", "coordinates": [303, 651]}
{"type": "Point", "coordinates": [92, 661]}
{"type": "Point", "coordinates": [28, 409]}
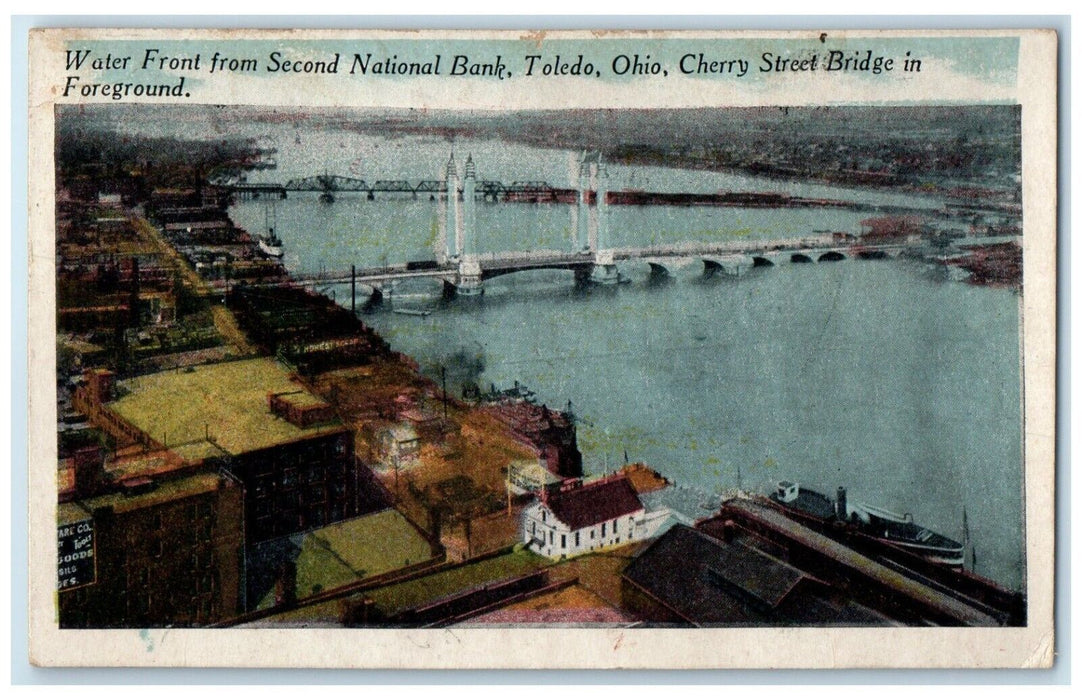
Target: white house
{"type": "Point", "coordinates": [399, 445]}
{"type": "Point", "coordinates": [575, 518]}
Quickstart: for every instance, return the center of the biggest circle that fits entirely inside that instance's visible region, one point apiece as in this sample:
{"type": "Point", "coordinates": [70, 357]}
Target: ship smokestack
{"type": "Point", "coordinates": [841, 508]}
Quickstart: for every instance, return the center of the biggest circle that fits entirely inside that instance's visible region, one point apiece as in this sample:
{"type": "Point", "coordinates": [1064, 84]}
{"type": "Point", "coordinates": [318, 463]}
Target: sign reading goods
{"type": "Point", "coordinates": [75, 555]}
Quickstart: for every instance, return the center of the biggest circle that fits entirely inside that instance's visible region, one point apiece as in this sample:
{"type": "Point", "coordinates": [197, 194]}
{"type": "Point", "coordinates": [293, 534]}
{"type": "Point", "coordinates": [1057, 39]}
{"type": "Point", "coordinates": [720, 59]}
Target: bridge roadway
{"type": "Point", "coordinates": [731, 257]}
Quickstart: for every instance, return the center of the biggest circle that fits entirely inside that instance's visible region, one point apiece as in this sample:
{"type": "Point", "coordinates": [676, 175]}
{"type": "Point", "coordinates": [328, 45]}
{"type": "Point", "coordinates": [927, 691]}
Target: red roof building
{"type": "Point", "coordinates": [574, 518]}
{"type": "Point", "coordinates": [580, 505]}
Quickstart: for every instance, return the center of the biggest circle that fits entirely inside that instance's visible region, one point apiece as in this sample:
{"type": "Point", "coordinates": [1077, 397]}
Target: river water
{"type": "Point", "coordinates": [874, 375]}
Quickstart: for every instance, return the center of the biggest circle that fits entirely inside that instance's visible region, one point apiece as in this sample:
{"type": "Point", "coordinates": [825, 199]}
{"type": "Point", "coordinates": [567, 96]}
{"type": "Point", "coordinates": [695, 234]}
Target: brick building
{"type": "Point", "coordinates": [154, 543]}
{"type": "Point", "coordinates": [250, 418]}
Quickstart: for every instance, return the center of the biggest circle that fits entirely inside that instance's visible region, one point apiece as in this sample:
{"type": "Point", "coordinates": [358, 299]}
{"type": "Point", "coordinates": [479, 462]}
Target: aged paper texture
{"type": "Point", "coordinates": [543, 349]}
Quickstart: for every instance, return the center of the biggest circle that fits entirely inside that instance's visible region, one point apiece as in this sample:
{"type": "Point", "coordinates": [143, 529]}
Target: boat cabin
{"type": "Point", "coordinates": [787, 491]}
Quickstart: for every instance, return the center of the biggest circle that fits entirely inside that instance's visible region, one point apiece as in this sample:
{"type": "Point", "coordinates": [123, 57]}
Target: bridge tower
{"type": "Point", "coordinates": [469, 269]}
{"type": "Point", "coordinates": [469, 194]}
{"type": "Point", "coordinates": [582, 222]}
{"type": "Point", "coordinates": [450, 234]}
{"type": "Point", "coordinates": [604, 265]}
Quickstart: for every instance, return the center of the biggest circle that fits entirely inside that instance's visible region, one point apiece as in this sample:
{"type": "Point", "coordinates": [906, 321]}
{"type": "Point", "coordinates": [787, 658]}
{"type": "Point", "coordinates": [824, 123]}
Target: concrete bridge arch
{"type": "Point", "coordinates": [660, 270]}
{"type": "Point", "coordinates": [732, 265]}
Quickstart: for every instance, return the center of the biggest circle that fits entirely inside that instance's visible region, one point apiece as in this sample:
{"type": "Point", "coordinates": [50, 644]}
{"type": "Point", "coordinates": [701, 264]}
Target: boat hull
{"type": "Point", "coordinates": [882, 526]}
{"type": "Point", "coordinates": [272, 251]}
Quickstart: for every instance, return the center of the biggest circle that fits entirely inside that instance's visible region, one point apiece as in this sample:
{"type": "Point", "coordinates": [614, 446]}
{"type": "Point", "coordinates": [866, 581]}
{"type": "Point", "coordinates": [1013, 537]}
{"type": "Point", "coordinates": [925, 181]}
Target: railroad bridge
{"type": "Point", "coordinates": [329, 185]}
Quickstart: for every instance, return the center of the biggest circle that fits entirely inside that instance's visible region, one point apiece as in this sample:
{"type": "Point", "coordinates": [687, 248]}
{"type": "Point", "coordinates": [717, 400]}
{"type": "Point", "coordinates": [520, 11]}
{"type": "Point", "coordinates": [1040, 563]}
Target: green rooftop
{"type": "Point", "coordinates": [419, 591]}
{"type": "Point", "coordinates": [163, 492]}
{"type": "Point", "coordinates": [226, 402]}
{"type": "Point", "coordinates": [67, 513]}
{"type": "Point", "coordinates": [351, 550]}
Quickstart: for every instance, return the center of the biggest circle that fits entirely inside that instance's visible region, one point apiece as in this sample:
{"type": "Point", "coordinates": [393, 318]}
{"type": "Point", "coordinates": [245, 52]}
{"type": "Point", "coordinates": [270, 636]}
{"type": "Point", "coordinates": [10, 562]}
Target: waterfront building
{"type": "Point", "coordinates": [574, 518]}
{"type": "Point", "coordinates": [689, 578]}
{"type": "Point", "coordinates": [751, 565]}
{"type": "Point", "coordinates": [550, 434]}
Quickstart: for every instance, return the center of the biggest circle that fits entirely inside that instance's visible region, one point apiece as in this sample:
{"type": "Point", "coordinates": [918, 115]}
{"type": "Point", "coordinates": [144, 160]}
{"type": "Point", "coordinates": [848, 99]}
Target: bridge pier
{"type": "Point", "coordinates": [470, 281]}
{"type": "Point", "coordinates": [604, 274]}
{"type": "Point", "coordinates": [470, 287]}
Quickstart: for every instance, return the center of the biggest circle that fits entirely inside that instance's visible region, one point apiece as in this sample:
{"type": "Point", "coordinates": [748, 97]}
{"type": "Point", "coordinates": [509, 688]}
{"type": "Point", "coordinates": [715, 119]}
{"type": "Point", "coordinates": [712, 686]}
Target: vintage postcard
{"type": "Point", "coordinates": [446, 349]}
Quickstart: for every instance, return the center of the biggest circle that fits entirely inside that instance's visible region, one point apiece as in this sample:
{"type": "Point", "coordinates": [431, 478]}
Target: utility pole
{"type": "Point", "coordinates": [353, 289]}
{"type": "Point", "coordinates": [443, 377]}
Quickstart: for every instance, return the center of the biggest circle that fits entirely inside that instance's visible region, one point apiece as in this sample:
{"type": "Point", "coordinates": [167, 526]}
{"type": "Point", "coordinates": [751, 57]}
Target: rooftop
{"type": "Point", "coordinates": [345, 552]}
{"type": "Point", "coordinates": [418, 591]}
{"type": "Point", "coordinates": [150, 464]}
{"type": "Point", "coordinates": [856, 563]}
{"type": "Point", "coordinates": [594, 502]}
{"type": "Point", "coordinates": [163, 492]}
{"type": "Point", "coordinates": [223, 405]}
{"type": "Point", "coordinates": [710, 582]}
{"type": "Point", "coordinates": [572, 605]}
{"type": "Point", "coordinates": [409, 594]}
{"type": "Point", "coordinates": [68, 513]}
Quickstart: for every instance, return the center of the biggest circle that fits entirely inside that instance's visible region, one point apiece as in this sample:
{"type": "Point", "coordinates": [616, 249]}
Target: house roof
{"type": "Point", "coordinates": [593, 503]}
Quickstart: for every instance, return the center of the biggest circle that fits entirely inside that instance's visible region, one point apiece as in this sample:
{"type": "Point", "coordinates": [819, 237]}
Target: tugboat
{"type": "Point", "coordinates": [791, 496]}
{"type": "Point", "coordinates": [871, 521]}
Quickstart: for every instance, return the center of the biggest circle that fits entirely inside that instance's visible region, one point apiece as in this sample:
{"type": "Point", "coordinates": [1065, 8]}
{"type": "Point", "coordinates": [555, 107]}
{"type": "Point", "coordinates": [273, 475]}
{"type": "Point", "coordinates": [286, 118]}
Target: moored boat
{"type": "Point", "coordinates": [900, 530]}
{"type": "Point", "coordinates": [271, 245]}
{"type": "Point", "coordinates": [871, 521]}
